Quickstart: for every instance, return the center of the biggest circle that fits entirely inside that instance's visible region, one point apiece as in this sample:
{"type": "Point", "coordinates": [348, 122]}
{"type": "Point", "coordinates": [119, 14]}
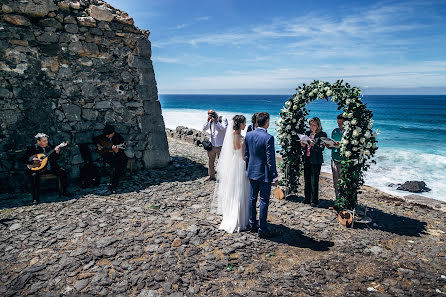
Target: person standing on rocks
{"type": "Point", "coordinates": [313, 161]}
{"type": "Point", "coordinates": [217, 126]}
{"type": "Point", "coordinates": [336, 157]}
{"type": "Point", "coordinates": [262, 173]}
{"type": "Point", "coordinates": [232, 186]}
{"type": "Point", "coordinates": [110, 145]}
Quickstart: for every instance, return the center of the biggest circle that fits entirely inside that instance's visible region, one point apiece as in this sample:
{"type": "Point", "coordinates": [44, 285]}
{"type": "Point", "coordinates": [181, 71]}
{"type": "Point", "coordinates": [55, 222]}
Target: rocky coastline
{"type": "Point", "coordinates": [157, 238]}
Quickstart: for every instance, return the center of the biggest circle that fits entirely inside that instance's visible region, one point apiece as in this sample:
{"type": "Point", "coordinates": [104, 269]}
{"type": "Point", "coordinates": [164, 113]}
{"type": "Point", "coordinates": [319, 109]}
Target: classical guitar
{"type": "Point", "coordinates": [44, 158]}
{"type": "Point", "coordinates": [107, 146]}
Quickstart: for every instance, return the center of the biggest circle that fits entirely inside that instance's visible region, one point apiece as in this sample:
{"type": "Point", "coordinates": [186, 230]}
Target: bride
{"type": "Point", "coordinates": [231, 195]}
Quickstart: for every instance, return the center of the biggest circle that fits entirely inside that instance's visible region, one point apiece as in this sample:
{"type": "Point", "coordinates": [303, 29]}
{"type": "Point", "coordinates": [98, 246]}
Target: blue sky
{"type": "Point", "coordinates": [271, 47]}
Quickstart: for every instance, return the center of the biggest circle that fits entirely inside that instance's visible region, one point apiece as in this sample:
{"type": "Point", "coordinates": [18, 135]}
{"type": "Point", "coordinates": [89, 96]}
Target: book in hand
{"type": "Point", "coordinates": [304, 138]}
{"type": "Point", "coordinates": [329, 142]}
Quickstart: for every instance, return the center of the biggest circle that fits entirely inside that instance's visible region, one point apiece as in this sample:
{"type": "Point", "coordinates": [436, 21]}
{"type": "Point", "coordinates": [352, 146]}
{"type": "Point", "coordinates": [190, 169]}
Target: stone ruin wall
{"type": "Point", "coordinates": [66, 69]}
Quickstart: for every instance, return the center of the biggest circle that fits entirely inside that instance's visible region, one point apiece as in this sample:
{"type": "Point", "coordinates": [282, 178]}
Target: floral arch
{"type": "Point", "coordinates": [358, 144]}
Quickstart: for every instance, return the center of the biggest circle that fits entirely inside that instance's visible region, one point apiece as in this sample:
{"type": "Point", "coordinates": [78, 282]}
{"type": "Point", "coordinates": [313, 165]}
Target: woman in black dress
{"type": "Point", "coordinates": [313, 160]}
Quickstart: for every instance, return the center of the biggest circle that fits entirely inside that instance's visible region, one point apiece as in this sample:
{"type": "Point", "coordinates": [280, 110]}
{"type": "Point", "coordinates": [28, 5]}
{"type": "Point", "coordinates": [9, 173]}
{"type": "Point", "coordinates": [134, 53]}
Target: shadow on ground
{"type": "Point", "coordinates": [323, 203]}
{"type": "Point", "coordinates": [296, 238]}
{"type": "Point", "coordinates": [180, 169]}
{"type": "Point", "coordinates": [393, 223]}
{"type": "Point", "coordinates": [383, 221]}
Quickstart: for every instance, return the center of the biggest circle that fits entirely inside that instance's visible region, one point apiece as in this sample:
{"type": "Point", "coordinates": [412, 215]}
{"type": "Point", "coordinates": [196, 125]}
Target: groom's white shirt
{"type": "Point", "coordinates": [261, 128]}
{"type": "Point", "coordinates": [218, 131]}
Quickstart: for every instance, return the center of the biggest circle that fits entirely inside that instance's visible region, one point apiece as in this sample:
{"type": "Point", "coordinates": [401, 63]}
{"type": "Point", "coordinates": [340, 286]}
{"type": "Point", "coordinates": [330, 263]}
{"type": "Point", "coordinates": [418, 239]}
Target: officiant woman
{"type": "Point", "coordinates": [313, 160]}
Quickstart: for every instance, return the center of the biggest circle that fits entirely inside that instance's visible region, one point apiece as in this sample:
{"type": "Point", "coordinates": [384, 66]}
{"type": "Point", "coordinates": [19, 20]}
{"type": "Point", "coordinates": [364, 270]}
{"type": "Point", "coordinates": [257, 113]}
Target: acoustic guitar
{"type": "Point", "coordinates": [107, 146]}
{"type": "Point", "coordinates": [43, 159]}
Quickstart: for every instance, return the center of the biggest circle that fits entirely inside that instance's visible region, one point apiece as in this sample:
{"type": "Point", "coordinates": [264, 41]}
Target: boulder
{"type": "Point", "coordinates": [125, 20]}
{"type": "Point", "coordinates": [86, 21]}
{"type": "Point", "coordinates": [100, 13]}
{"type": "Point", "coordinates": [72, 112]}
{"type": "Point", "coordinates": [17, 20]}
{"type": "Point", "coordinates": [71, 28]}
{"type": "Point", "coordinates": [50, 22]}
{"type": "Point", "coordinates": [76, 47]}
{"type": "Point", "coordinates": [414, 187]}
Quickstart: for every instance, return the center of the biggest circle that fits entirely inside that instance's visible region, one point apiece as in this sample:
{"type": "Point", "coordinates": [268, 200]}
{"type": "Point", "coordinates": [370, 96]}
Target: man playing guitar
{"type": "Point", "coordinates": [42, 147]}
{"type": "Point", "coordinates": [111, 146]}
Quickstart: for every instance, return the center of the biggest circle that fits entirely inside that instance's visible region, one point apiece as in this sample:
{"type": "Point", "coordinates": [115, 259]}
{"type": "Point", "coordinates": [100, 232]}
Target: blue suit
{"type": "Point", "coordinates": [261, 171]}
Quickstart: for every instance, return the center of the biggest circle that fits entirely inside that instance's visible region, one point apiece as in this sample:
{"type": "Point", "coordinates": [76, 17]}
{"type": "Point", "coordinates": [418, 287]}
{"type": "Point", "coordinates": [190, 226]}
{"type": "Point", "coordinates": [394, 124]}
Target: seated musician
{"type": "Point", "coordinates": [42, 147]}
{"type": "Point", "coordinates": [108, 145]}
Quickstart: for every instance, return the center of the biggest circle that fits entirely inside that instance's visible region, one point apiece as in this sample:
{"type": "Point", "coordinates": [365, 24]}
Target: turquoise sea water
{"type": "Point", "coordinates": [411, 140]}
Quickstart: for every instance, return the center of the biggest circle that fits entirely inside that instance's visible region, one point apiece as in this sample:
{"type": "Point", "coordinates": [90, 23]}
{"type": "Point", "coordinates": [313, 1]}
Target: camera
{"type": "Point", "coordinates": [213, 115]}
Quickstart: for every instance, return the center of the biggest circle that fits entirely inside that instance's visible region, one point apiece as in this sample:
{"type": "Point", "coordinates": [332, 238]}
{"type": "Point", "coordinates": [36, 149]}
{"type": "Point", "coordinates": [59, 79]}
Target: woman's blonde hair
{"type": "Point", "coordinates": [318, 122]}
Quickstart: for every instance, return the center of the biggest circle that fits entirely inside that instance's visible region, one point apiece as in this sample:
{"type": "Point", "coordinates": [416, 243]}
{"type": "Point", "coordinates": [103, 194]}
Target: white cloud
{"type": "Point", "coordinates": [432, 74]}
{"type": "Point", "coordinates": [181, 26]}
{"type": "Point", "coordinates": [372, 47]}
{"type": "Point", "coordinates": [165, 60]}
{"type": "Point", "coordinates": [204, 18]}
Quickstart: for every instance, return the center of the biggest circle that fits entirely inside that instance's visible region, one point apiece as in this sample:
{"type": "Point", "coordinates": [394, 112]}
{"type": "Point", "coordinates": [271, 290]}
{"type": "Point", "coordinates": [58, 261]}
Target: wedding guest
{"type": "Point", "coordinates": [336, 157]}
{"type": "Point", "coordinates": [253, 126]}
{"type": "Point", "coordinates": [217, 126]}
{"type": "Point", "coordinates": [313, 160]}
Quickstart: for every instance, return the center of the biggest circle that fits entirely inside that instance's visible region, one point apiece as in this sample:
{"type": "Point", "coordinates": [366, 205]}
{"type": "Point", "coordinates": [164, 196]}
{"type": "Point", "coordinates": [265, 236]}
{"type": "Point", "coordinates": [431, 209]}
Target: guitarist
{"type": "Point", "coordinates": [42, 147]}
{"type": "Point", "coordinates": [107, 144]}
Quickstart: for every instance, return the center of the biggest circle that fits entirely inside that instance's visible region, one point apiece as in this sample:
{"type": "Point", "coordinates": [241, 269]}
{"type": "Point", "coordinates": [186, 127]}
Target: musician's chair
{"type": "Point", "coordinates": [48, 180]}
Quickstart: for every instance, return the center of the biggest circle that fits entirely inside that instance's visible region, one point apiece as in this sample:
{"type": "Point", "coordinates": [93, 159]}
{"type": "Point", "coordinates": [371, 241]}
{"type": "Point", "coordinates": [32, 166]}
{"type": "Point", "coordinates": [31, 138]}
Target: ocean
{"type": "Point", "coordinates": [412, 129]}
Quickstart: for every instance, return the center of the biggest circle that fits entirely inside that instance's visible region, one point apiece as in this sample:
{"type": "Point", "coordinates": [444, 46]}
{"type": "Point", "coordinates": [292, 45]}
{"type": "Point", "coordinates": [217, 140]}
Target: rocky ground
{"type": "Point", "coordinates": [157, 238]}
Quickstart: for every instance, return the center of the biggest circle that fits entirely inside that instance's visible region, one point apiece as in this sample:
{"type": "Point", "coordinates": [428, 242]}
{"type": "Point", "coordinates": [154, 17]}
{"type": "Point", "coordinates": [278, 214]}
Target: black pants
{"type": "Point", "coordinates": [34, 180]}
{"type": "Point", "coordinates": [118, 164]}
{"type": "Point", "coordinates": [311, 176]}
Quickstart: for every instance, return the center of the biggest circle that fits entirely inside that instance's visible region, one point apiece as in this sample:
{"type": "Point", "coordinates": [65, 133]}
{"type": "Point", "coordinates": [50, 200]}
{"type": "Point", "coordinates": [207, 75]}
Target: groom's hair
{"type": "Point", "coordinates": [262, 118]}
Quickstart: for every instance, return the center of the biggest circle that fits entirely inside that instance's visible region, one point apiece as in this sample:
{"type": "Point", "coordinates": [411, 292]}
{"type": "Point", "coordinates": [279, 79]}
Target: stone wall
{"type": "Point", "coordinates": [66, 69]}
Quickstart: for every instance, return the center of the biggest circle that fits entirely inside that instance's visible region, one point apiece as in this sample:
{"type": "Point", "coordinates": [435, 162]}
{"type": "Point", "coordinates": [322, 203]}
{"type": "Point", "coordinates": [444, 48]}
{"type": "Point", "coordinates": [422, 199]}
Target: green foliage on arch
{"type": "Point", "coordinates": [358, 143]}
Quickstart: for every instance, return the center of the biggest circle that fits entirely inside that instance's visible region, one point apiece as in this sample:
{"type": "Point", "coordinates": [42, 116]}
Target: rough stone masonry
{"type": "Point", "coordinates": [67, 68]}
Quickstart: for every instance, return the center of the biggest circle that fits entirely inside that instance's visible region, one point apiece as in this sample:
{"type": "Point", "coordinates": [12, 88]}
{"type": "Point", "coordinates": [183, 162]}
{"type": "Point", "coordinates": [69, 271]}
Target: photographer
{"type": "Point", "coordinates": [217, 126]}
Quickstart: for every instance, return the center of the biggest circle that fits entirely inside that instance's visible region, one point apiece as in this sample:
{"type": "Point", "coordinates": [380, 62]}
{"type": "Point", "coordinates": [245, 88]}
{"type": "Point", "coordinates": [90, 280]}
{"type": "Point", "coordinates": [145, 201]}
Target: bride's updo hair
{"type": "Point", "coordinates": [238, 120]}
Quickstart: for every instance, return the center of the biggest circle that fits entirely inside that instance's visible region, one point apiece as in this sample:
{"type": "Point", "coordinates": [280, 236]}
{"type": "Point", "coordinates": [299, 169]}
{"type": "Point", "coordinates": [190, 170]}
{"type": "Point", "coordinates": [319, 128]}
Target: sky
{"type": "Point", "coordinates": [272, 47]}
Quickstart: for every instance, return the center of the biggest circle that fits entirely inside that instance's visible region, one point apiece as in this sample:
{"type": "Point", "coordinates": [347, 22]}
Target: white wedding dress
{"type": "Point", "coordinates": [231, 195]}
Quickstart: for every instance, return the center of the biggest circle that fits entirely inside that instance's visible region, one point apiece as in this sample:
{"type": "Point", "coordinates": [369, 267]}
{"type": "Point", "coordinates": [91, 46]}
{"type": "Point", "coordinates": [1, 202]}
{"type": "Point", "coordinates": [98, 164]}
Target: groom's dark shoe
{"type": "Point", "coordinates": [267, 234]}
{"type": "Point", "coordinates": [253, 228]}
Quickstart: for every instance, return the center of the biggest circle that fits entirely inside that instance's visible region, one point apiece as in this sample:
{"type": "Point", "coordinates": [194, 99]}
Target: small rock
{"type": "Point", "coordinates": [15, 226]}
{"type": "Point", "coordinates": [34, 261]}
{"type": "Point", "coordinates": [376, 250]}
{"type": "Point", "coordinates": [106, 241]}
{"type": "Point", "coordinates": [176, 243]}
{"type": "Point", "coordinates": [159, 277]}
{"type": "Point", "coordinates": [79, 285]}
{"type": "Point", "coordinates": [148, 293]}
{"type": "Point", "coordinates": [17, 20]}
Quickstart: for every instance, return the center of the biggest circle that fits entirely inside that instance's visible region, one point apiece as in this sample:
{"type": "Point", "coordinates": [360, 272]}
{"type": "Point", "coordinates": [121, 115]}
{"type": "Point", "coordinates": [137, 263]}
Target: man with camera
{"type": "Point", "coordinates": [217, 126]}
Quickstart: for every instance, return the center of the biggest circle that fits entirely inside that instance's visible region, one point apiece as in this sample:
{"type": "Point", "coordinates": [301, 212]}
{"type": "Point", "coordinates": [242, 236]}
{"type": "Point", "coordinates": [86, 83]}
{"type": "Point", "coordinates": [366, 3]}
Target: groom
{"type": "Point", "coordinates": [261, 171]}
